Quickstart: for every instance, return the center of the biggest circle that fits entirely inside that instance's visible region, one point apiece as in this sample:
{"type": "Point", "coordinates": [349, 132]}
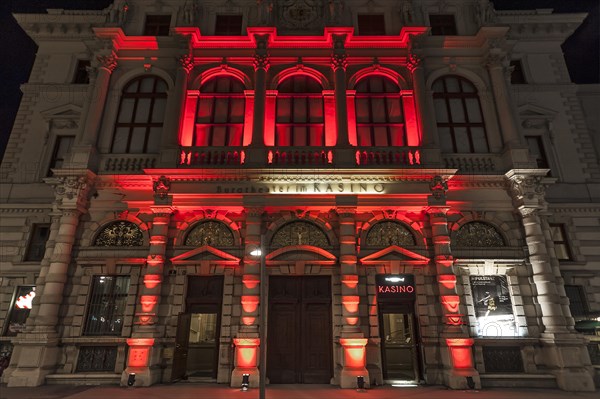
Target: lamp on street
{"type": "Point", "coordinates": [262, 330]}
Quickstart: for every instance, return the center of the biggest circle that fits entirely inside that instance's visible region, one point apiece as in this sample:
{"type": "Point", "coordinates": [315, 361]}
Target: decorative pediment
{"type": "Point", "coordinates": [205, 253]}
{"type": "Point", "coordinates": [63, 117]}
{"type": "Point", "coordinates": [534, 116]}
{"type": "Point", "coordinates": [394, 253]}
{"type": "Point", "coordinates": [301, 253]}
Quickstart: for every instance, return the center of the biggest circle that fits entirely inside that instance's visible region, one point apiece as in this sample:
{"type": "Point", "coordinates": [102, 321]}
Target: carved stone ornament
{"type": "Point", "coordinates": [528, 192]}
{"type": "Point", "coordinates": [339, 61]}
{"type": "Point", "coordinates": [162, 186]}
{"type": "Point", "coordinates": [384, 234]}
{"type": "Point", "coordinates": [477, 234]}
{"type": "Point", "coordinates": [215, 234]}
{"type": "Point", "coordinates": [108, 62]}
{"type": "Point", "coordinates": [186, 62]}
{"type": "Point", "coordinates": [120, 234]}
{"type": "Point", "coordinates": [71, 190]}
{"type": "Point", "coordinates": [299, 233]}
{"type": "Point", "coordinates": [261, 61]}
{"type": "Point", "coordinates": [300, 14]}
{"type": "Point", "coordinates": [438, 187]}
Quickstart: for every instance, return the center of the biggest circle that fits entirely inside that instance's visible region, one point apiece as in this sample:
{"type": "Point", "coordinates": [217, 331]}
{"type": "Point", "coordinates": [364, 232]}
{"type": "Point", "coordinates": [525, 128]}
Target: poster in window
{"type": "Point", "coordinates": [20, 310]}
{"type": "Point", "coordinates": [493, 307]}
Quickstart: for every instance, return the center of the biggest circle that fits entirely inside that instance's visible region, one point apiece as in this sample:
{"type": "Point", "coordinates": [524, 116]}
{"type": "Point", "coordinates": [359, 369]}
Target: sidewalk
{"type": "Point", "coordinates": [213, 391]}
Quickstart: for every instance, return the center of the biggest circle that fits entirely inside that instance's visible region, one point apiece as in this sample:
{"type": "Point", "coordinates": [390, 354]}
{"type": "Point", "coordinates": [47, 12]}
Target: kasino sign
{"type": "Point", "coordinates": [395, 286]}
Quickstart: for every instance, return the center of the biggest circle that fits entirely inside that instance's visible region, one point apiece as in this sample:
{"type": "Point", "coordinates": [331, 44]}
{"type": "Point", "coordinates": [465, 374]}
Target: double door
{"type": "Point", "coordinates": [299, 346]}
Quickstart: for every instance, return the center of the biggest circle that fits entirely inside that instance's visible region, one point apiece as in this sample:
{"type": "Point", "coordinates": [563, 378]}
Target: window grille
{"type": "Point", "coordinates": [502, 359]}
{"type": "Point", "coordinates": [106, 309]}
{"type": "Point", "coordinates": [379, 116]}
{"type": "Point", "coordinates": [96, 359]}
{"type": "Point", "coordinates": [459, 117]}
{"type": "Point", "coordinates": [477, 234]}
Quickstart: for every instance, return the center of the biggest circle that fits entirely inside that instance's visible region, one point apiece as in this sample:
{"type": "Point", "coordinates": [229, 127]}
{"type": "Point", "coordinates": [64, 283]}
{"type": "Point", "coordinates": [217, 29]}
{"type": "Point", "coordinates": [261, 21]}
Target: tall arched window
{"type": "Point", "coordinates": [300, 112]}
{"type": "Point", "coordinates": [141, 115]}
{"type": "Point", "coordinates": [379, 116]}
{"type": "Point", "coordinates": [220, 115]}
{"type": "Point", "coordinates": [459, 118]}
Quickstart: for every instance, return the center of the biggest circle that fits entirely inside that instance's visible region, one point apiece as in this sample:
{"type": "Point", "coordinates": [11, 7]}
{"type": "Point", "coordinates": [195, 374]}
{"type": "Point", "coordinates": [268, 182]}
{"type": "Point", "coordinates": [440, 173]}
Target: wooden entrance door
{"type": "Point", "coordinates": [300, 331]}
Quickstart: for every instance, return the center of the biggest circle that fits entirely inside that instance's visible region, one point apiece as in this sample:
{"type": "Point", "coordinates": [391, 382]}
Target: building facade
{"type": "Point", "coordinates": [419, 176]}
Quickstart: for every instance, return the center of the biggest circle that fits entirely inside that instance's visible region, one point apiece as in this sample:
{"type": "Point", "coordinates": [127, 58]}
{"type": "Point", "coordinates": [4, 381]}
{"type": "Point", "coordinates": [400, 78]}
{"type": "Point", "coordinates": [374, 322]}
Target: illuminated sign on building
{"type": "Point", "coordinates": [395, 286]}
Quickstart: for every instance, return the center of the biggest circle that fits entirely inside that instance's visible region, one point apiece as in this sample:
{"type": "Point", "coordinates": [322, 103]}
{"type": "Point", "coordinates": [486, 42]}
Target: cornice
{"type": "Point", "coordinates": [38, 88]}
{"type": "Point", "coordinates": [593, 208]}
{"type": "Point", "coordinates": [24, 208]}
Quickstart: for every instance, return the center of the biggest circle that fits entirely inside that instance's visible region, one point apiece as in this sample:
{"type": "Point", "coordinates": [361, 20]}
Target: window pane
{"type": "Point", "coordinates": [362, 110]}
{"type": "Point", "coordinates": [126, 112]}
{"type": "Point", "coordinates": [108, 299]}
{"type": "Point", "coordinates": [473, 110]}
{"type": "Point", "coordinates": [154, 140]}
{"type": "Point", "coordinates": [364, 136]}
{"type": "Point", "coordinates": [316, 110]}
{"type": "Point", "coordinates": [381, 136]}
{"type": "Point", "coordinates": [445, 139]}
{"type": "Point", "coordinates": [202, 135]}
{"type": "Point", "coordinates": [316, 135]}
{"type": "Point", "coordinates": [467, 87]}
{"type": "Point", "coordinates": [397, 133]}
{"type": "Point", "coordinates": [147, 85]}
{"type": "Point", "coordinates": [378, 109]}
{"type": "Point", "coordinates": [221, 110]}
{"type": "Point", "coordinates": [283, 110]}
{"type": "Point", "coordinates": [236, 113]}
{"type": "Point", "coordinates": [143, 110]}
{"type": "Point", "coordinates": [158, 112]}
{"type": "Point", "coordinates": [133, 87]}
{"type": "Point", "coordinates": [438, 86]}
{"type": "Point", "coordinates": [300, 136]}
{"type": "Point", "coordinates": [283, 136]}
{"type": "Point", "coordinates": [205, 110]}
{"type": "Point", "coordinates": [556, 231]}
{"type": "Point", "coordinates": [235, 135]}
{"type": "Point", "coordinates": [218, 136]}
{"type": "Point", "coordinates": [138, 139]}
{"type": "Point", "coordinates": [120, 140]}
{"type": "Point", "coordinates": [456, 110]}
{"type": "Point", "coordinates": [562, 252]}
{"type": "Point", "coordinates": [441, 112]}
{"type": "Point", "coordinates": [300, 110]}
{"type": "Point", "coordinates": [394, 110]}
{"type": "Point", "coordinates": [462, 140]}
{"type": "Point", "coordinates": [452, 85]}
{"type": "Point", "coordinates": [161, 86]}
{"type": "Point", "coordinates": [479, 140]}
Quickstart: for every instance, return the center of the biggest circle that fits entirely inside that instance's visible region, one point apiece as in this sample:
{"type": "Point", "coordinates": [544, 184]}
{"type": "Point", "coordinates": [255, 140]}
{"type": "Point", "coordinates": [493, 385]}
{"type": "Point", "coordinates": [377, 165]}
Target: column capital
{"type": "Point", "coordinates": [414, 62]}
{"type": "Point", "coordinates": [438, 187]}
{"type": "Point", "coordinates": [339, 61]}
{"type": "Point", "coordinates": [186, 62]}
{"type": "Point", "coordinates": [261, 61]}
{"type": "Point", "coordinates": [528, 189]}
{"type": "Point", "coordinates": [107, 62]}
{"type": "Point", "coordinates": [346, 211]}
{"type": "Point", "coordinates": [71, 191]}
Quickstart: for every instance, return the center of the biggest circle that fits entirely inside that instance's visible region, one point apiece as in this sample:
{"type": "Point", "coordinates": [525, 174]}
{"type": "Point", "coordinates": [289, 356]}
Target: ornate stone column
{"type": "Point", "coordinates": [261, 66]}
{"type": "Point", "coordinates": [172, 128]}
{"type": "Point", "coordinates": [94, 108]}
{"type": "Point", "coordinates": [144, 359]}
{"type": "Point", "coordinates": [36, 351]}
{"type": "Point", "coordinates": [496, 60]}
{"type": "Point", "coordinates": [424, 110]}
{"type": "Point", "coordinates": [352, 339]}
{"type": "Point", "coordinates": [457, 356]}
{"type": "Point", "coordinates": [563, 351]}
{"type": "Point", "coordinates": [247, 341]}
{"type": "Point", "coordinates": [339, 63]}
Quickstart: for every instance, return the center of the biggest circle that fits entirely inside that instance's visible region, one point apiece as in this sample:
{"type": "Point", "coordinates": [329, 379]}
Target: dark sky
{"type": "Point", "coordinates": [17, 51]}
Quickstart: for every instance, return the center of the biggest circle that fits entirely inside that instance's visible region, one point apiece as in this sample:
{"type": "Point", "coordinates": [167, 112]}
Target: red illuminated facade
{"type": "Point", "coordinates": [405, 223]}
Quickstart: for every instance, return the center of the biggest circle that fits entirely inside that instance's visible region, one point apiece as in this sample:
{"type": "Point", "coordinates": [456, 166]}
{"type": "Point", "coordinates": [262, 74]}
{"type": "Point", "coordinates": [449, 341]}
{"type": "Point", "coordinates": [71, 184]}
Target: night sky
{"type": "Point", "coordinates": [17, 51]}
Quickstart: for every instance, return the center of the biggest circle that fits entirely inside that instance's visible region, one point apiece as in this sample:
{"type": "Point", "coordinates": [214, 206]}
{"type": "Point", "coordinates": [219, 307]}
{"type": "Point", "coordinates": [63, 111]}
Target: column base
{"type": "Point", "coordinates": [34, 356]}
{"type": "Point", "coordinates": [238, 374]}
{"type": "Point", "coordinates": [348, 377]}
{"type": "Point", "coordinates": [144, 376]}
{"type": "Point", "coordinates": [462, 379]}
{"type": "Point", "coordinates": [568, 360]}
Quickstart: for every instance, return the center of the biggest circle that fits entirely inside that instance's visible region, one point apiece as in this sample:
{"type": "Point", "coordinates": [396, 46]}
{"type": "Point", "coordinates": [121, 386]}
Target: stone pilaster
{"type": "Point", "coordinates": [339, 63]}
{"type": "Point", "coordinates": [36, 351]}
{"type": "Point", "coordinates": [144, 358]}
{"type": "Point", "coordinates": [174, 115]}
{"type": "Point", "coordinates": [248, 340]}
{"type": "Point", "coordinates": [427, 125]}
{"type": "Point", "coordinates": [261, 66]}
{"type": "Point", "coordinates": [352, 339]}
{"type": "Point", "coordinates": [454, 338]}
{"type": "Point", "coordinates": [563, 352]}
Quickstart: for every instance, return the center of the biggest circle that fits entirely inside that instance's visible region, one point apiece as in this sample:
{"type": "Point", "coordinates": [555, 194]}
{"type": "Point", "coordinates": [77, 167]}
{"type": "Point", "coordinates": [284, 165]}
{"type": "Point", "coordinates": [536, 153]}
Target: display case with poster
{"type": "Point", "coordinates": [493, 307]}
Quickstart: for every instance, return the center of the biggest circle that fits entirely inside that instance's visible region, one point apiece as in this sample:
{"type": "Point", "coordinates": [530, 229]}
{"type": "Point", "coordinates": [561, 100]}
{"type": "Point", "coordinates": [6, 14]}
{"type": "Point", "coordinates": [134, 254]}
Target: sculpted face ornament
{"type": "Point", "coordinates": [162, 186]}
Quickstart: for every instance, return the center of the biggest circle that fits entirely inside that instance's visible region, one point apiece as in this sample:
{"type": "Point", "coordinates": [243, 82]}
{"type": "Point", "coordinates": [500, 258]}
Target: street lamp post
{"type": "Point", "coordinates": [262, 328]}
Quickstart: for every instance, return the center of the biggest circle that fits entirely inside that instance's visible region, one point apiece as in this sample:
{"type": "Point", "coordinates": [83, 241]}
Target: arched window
{"type": "Point", "coordinates": [459, 118]}
{"type": "Point", "coordinates": [299, 233]}
{"type": "Point", "coordinates": [477, 234]}
{"type": "Point", "coordinates": [379, 116]}
{"type": "Point", "coordinates": [120, 234]}
{"type": "Point", "coordinates": [299, 112]}
{"type": "Point", "coordinates": [215, 234]}
{"type": "Point", "coordinates": [141, 115]}
{"type": "Point", "coordinates": [220, 115]}
{"type": "Point", "coordinates": [384, 234]}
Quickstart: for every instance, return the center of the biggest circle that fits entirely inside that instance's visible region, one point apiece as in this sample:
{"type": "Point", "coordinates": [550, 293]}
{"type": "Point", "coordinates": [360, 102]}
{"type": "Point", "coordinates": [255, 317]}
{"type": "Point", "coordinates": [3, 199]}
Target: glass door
{"type": "Point", "coordinates": [399, 348]}
{"type": "Point", "coordinates": [202, 345]}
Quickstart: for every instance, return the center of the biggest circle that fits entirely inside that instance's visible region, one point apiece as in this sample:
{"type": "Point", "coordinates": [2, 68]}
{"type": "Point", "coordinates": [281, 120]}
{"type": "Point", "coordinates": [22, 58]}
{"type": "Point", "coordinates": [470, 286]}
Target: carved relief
{"type": "Point", "coordinates": [215, 234]}
{"type": "Point", "coordinates": [300, 14]}
{"type": "Point", "coordinates": [384, 234]}
{"type": "Point", "coordinates": [162, 186]}
{"type": "Point", "coordinates": [477, 234]}
{"type": "Point", "coordinates": [438, 187]}
{"type": "Point", "coordinates": [339, 61]}
{"type": "Point", "coordinates": [299, 233]}
{"type": "Point", "coordinates": [120, 234]}
{"type": "Point", "coordinates": [528, 192]}
{"type": "Point", "coordinates": [261, 61]}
